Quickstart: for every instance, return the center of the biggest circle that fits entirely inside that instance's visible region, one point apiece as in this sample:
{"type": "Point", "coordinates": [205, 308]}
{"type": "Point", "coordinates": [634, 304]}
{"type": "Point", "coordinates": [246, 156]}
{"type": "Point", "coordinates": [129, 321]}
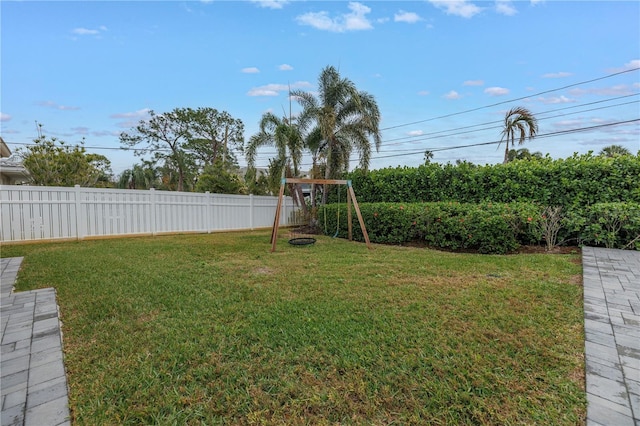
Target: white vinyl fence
{"type": "Point", "coordinates": [31, 213]}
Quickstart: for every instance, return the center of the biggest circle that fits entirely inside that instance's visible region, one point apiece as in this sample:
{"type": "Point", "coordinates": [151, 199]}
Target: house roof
{"type": "Point", "coordinates": [4, 149]}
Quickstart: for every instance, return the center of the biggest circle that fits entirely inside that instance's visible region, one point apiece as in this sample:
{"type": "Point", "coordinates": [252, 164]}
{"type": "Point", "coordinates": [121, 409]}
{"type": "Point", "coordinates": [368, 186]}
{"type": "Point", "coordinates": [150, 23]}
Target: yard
{"type": "Point", "coordinates": [215, 329]}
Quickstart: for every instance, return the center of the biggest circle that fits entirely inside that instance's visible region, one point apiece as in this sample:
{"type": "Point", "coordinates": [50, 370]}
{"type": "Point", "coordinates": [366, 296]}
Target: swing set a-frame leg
{"type": "Point", "coordinates": [276, 221]}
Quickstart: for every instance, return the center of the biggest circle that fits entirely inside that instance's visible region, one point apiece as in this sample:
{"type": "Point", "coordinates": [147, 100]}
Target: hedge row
{"type": "Point", "coordinates": [581, 180]}
{"type": "Point", "coordinates": [489, 227]}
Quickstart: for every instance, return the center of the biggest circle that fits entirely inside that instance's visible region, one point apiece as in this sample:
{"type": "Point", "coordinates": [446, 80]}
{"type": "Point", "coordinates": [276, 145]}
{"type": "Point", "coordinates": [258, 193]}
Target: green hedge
{"type": "Point", "coordinates": [487, 227]}
{"type": "Point", "coordinates": [578, 181]}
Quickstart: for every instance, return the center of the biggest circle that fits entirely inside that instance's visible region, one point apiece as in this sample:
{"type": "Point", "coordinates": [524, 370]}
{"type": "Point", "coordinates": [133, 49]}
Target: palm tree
{"type": "Point", "coordinates": [283, 133]}
{"type": "Point", "coordinates": [614, 151]}
{"type": "Point", "coordinates": [519, 122]}
{"type": "Point", "coordinates": [524, 154]}
{"type": "Point", "coordinates": [346, 118]}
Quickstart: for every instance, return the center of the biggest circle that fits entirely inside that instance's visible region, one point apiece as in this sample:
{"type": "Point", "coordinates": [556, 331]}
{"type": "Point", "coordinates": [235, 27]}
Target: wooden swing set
{"type": "Point", "coordinates": [351, 198]}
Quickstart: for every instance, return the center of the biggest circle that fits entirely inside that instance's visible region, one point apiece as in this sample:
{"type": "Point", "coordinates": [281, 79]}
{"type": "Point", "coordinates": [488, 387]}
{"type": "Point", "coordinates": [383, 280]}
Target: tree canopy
{"type": "Point", "coordinates": [521, 123]}
{"type": "Point", "coordinates": [51, 162]}
{"type": "Point", "coordinates": [185, 139]}
{"type": "Point", "coordinates": [347, 120]}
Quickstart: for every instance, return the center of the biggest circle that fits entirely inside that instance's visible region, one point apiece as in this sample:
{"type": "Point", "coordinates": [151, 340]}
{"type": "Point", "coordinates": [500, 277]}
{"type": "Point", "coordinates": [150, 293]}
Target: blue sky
{"type": "Point", "coordinates": [443, 72]}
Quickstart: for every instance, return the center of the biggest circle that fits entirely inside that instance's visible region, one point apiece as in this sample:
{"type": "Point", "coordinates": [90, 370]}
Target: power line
{"type": "Point", "coordinates": [500, 121]}
{"type": "Point", "coordinates": [541, 136]}
{"type": "Point", "coordinates": [511, 100]}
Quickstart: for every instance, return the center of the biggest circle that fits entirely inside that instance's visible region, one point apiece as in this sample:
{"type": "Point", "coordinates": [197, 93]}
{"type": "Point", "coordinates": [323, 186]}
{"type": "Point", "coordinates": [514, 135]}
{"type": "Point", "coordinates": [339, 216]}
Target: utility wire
{"type": "Point", "coordinates": [511, 100]}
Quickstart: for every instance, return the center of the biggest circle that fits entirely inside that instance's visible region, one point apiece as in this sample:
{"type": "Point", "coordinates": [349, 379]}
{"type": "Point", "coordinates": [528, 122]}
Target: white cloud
{"type": "Point", "coordinates": [250, 70]}
{"type": "Point", "coordinates": [353, 21]}
{"type": "Point", "coordinates": [557, 75]}
{"type": "Point", "coordinates": [633, 64]}
{"type": "Point", "coordinates": [271, 4]}
{"type": "Point", "coordinates": [132, 119]}
{"type": "Point", "coordinates": [453, 95]}
{"type": "Point", "coordinates": [87, 31]}
{"type": "Point", "coordinates": [505, 7]}
{"type": "Point", "coordinates": [51, 104]}
{"type": "Point", "coordinates": [563, 124]}
{"type": "Point", "coordinates": [285, 67]}
{"type": "Point", "coordinates": [617, 90]}
{"type": "Point", "coordinates": [462, 8]}
{"type": "Point", "coordinates": [4, 117]}
{"type": "Point", "coordinates": [408, 17]}
{"type": "Point", "coordinates": [141, 113]}
{"type": "Point", "coordinates": [536, 2]}
{"type": "Point", "coordinates": [423, 92]}
{"type": "Point", "coordinates": [274, 89]}
{"type": "Point", "coordinates": [415, 133]}
{"type": "Point", "coordinates": [496, 91]}
{"type": "Point", "coordinates": [556, 100]}
{"type": "Point", "coordinates": [473, 83]}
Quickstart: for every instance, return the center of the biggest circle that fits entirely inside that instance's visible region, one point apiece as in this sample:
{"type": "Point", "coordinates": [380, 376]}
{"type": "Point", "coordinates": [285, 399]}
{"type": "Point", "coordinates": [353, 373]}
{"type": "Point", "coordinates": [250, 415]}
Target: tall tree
{"type": "Point", "coordinates": [281, 133]}
{"type": "Point", "coordinates": [518, 122]}
{"type": "Point", "coordinates": [51, 162]}
{"type": "Point", "coordinates": [614, 150]}
{"type": "Point", "coordinates": [212, 134]}
{"type": "Point", "coordinates": [347, 119]}
{"type": "Point", "coordinates": [185, 139]}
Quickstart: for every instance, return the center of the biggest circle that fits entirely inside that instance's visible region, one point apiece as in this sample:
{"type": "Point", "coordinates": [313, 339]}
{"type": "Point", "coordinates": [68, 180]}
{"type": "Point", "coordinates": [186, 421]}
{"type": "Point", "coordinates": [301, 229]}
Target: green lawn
{"type": "Point", "coordinates": [215, 329]}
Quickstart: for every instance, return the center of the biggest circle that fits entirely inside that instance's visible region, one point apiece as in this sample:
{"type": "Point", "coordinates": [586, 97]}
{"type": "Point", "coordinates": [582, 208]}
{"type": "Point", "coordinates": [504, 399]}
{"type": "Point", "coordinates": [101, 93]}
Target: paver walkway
{"type": "Point", "coordinates": [33, 383]}
{"type": "Point", "coordinates": [612, 335]}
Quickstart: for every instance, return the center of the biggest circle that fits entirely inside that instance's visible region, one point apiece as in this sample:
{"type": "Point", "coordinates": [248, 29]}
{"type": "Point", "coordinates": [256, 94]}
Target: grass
{"type": "Point", "coordinates": [215, 329]}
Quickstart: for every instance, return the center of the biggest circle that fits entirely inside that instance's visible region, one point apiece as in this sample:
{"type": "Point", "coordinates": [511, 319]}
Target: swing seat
{"type": "Point", "coordinates": [302, 241]}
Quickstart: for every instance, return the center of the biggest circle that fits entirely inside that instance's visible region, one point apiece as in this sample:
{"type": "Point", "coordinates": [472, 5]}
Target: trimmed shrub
{"type": "Point", "coordinates": [484, 227]}
{"type": "Point", "coordinates": [580, 180]}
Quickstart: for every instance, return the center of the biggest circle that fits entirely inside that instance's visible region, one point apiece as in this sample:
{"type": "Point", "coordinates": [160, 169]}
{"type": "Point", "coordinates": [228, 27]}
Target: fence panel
{"type": "Point", "coordinates": [48, 213]}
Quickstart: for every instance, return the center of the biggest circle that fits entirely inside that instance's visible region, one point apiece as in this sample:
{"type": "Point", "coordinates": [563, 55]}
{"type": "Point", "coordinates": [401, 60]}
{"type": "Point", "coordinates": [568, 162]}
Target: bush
{"type": "Point", "coordinates": [613, 225]}
{"type": "Point", "coordinates": [484, 227]}
{"type": "Point", "coordinates": [575, 182]}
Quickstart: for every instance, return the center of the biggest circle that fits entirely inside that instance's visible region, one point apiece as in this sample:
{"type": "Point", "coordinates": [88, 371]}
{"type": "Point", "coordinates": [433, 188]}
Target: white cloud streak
{"type": "Point", "coordinates": [355, 20]}
{"type": "Point", "coordinates": [271, 4]}
{"type": "Point", "coordinates": [505, 7]}
{"type": "Point", "coordinates": [452, 95]}
{"type": "Point", "coordinates": [285, 67]}
{"type": "Point", "coordinates": [141, 113]}
{"type": "Point", "coordinates": [407, 17]}
{"type": "Point", "coordinates": [496, 91]}
{"type": "Point", "coordinates": [473, 83]}
{"type": "Point", "coordinates": [4, 117]}
{"type": "Point", "coordinates": [557, 75]}
{"type": "Point", "coordinates": [87, 31]}
{"type": "Point", "coordinates": [274, 89]}
{"type": "Point", "coordinates": [51, 104]}
{"type": "Point", "coordinates": [250, 70]}
{"type": "Point", "coordinates": [461, 8]}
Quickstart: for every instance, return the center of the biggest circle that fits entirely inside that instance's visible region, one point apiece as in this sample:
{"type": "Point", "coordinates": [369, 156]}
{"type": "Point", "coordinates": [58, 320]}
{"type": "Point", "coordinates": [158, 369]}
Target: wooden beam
{"type": "Point", "coordinates": [349, 220]}
{"type": "Point", "coordinates": [318, 181]}
{"type": "Point", "coordinates": [276, 221]}
{"type": "Point", "coordinates": [355, 205]}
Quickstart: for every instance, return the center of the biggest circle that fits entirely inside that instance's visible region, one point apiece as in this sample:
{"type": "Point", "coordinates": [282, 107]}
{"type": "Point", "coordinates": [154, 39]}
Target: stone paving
{"type": "Point", "coordinates": [34, 386]}
{"type": "Point", "coordinates": [33, 383]}
{"type": "Point", "coordinates": [612, 335]}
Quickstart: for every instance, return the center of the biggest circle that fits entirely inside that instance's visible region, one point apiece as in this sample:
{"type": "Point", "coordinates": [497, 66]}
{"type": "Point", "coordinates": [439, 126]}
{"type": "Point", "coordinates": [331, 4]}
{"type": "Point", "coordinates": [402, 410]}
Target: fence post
{"type": "Point", "coordinates": [81, 219]}
{"type": "Point", "coordinates": [209, 212]}
{"type": "Point", "coordinates": [251, 211]}
{"type": "Point", "coordinates": [153, 212]}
